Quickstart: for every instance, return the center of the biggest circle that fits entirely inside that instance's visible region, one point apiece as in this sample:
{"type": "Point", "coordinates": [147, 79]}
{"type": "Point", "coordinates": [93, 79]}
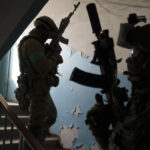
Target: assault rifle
{"type": "Point", "coordinates": [101, 115]}
{"type": "Point", "coordinates": [63, 25]}
{"type": "Point", "coordinates": [104, 57]}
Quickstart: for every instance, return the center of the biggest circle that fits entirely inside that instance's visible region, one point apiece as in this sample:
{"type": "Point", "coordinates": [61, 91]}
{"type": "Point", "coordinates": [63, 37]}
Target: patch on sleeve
{"type": "Point", "coordinates": [36, 55]}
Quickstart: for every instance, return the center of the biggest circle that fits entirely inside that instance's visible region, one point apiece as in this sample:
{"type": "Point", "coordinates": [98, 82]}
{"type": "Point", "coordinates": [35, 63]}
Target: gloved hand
{"type": "Point", "coordinates": [52, 80]}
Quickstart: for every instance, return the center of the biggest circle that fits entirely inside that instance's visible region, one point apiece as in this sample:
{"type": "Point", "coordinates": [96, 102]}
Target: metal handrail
{"type": "Point", "coordinates": [30, 139]}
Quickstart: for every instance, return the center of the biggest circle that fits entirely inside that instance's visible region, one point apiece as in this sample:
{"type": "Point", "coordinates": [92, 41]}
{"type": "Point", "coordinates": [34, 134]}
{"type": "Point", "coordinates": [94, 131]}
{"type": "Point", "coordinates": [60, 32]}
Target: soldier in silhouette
{"type": "Point", "coordinates": [38, 66]}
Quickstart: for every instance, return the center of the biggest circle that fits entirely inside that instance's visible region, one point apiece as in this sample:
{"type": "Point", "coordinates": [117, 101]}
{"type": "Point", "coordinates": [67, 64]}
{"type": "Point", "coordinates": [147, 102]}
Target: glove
{"type": "Point", "coordinates": [52, 80]}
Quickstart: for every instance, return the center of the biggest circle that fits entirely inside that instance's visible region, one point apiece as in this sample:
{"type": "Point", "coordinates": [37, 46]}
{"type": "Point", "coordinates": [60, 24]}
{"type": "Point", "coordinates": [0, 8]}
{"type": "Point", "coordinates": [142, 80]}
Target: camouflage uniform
{"type": "Point", "coordinates": [37, 76]}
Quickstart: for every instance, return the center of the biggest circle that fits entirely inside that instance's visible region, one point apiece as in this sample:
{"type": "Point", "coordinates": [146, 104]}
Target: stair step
{"type": "Point", "coordinates": [24, 119]}
{"type": "Point", "coordinates": [7, 134]}
{"type": "Point", "coordinates": [7, 142]}
{"type": "Point", "coordinates": [49, 144]}
{"type": "Point", "coordinates": [14, 145]}
{"type": "Point", "coordinates": [15, 107]}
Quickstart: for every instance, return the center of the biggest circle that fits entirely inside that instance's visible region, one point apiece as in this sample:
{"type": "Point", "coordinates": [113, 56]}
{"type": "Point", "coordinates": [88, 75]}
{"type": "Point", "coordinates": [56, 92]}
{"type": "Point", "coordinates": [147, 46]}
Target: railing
{"type": "Point", "coordinates": [24, 133]}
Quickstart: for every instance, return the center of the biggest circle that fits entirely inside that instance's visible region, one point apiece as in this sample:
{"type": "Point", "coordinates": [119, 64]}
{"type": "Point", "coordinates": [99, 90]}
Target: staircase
{"type": "Point", "coordinates": [6, 132]}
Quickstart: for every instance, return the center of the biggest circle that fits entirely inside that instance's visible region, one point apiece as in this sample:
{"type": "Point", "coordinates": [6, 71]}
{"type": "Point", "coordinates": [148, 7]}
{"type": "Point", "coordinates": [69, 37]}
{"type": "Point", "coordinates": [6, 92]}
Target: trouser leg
{"type": "Point", "coordinates": [42, 115]}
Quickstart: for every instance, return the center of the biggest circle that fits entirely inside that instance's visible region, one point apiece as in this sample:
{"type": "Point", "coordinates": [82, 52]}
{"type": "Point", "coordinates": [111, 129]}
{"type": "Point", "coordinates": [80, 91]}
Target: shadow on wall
{"type": "Point", "coordinates": [72, 100]}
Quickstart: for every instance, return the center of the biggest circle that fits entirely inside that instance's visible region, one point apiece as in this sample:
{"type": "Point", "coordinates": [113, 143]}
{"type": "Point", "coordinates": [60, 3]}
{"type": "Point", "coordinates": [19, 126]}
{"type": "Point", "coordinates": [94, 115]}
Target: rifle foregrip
{"type": "Point", "coordinates": [94, 19]}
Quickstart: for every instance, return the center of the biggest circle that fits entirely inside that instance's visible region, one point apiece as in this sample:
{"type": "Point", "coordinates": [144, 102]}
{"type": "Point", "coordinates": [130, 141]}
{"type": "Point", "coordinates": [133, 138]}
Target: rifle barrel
{"type": "Point", "coordinates": [75, 7]}
{"type": "Point", "coordinates": [94, 19]}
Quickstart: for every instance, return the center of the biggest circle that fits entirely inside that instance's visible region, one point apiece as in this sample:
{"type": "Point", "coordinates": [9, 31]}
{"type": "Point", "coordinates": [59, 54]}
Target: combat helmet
{"type": "Point", "coordinates": [46, 22]}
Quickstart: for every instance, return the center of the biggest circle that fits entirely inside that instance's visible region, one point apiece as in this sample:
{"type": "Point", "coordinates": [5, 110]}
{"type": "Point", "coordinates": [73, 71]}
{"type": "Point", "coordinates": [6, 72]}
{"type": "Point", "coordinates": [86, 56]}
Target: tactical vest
{"type": "Point", "coordinates": [25, 80]}
{"type": "Point", "coordinates": [25, 65]}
